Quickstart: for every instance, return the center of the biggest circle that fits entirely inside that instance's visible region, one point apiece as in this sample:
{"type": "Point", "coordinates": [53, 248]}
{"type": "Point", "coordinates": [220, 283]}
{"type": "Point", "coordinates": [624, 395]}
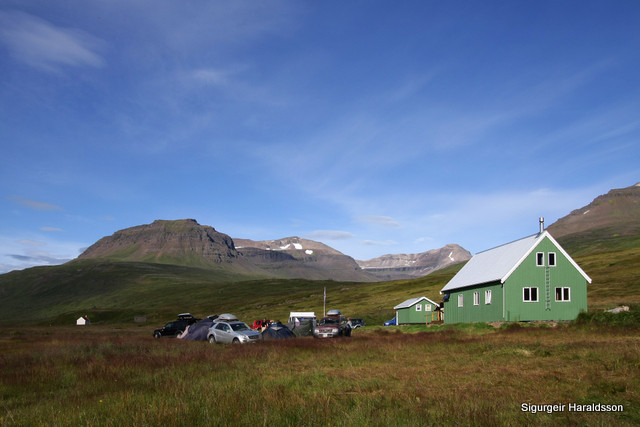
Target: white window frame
{"type": "Point", "coordinates": [427, 307]}
{"type": "Point", "coordinates": [476, 298]}
{"type": "Point", "coordinates": [418, 307]}
{"type": "Point", "coordinates": [460, 300]}
{"type": "Point", "coordinates": [487, 296]}
{"type": "Point", "coordinates": [555, 259]}
{"type": "Point", "coordinates": [530, 299]}
{"type": "Point", "coordinates": [562, 294]}
{"type": "Point", "coordinates": [539, 258]}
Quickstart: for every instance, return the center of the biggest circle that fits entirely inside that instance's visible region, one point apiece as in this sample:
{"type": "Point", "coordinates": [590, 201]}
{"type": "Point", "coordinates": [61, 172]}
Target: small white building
{"type": "Point", "coordinates": [84, 320]}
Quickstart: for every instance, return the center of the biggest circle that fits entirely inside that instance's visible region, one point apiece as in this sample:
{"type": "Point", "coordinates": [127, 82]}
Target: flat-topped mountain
{"type": "Point", "coordinates": [179, 242]}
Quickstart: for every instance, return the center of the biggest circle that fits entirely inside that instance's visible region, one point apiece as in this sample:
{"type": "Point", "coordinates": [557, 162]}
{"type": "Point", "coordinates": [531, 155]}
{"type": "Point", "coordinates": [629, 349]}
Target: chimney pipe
{"type": "Point", "coordinates": [541, 224]}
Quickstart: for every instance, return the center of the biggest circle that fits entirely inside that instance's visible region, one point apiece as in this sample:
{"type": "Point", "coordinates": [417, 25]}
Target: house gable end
{"type": "Point", "coordinates": [535, 246]}
{"type": "Point", "coordinates": [413, 301]}
{"type": "Point", "coordinates": [568, 257]}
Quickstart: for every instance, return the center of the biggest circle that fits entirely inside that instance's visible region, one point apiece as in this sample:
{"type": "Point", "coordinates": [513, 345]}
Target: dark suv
{"type": "Point", "coordinates": [176, 327]}
{"type": "Point", "coordinates": [332, 326]}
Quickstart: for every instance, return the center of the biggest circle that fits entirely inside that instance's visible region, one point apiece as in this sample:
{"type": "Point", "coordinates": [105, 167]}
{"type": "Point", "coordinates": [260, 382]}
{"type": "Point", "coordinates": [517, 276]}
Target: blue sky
{"type": "Point", "coordinates": [372, 126]}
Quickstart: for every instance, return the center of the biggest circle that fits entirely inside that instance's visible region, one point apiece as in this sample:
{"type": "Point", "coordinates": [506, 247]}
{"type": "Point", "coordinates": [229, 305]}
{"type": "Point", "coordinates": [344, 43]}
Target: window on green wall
{"type": "Point", "coordinates": [530, 294]}
{"type": "Point", "coordinates": [460, 300]}
{"type": "Point", "coordinates": [427, 307]}
{"type": "Point", "coordinates": [552, 259]}
{"type": "Point", "coordinates": [540, 259]}
{"type": "Point", "coordinates": [487, 296]}
{"type": "Point", "coordinates": [563, 294]}
{"type": "Point", "coordinates": [476, 298]}
{"type": "Point", "coordinates": [418, 307]}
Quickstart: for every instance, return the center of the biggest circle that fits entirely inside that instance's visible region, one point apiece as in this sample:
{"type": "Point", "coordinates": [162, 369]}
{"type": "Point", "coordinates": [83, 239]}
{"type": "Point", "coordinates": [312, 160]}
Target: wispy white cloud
{"type": "Point", "coordinates": [30, 243]}
{"type": "Point", "coordinates": [385, 221]}
{"type": "Point", "coordinates": [477, 219]}
{"type": "Point", "coordinates": [43, 45]}
{"type": "Point", "coordinates": [23, 252]}
{"type": "Point", "coordinates": [379, 243]}
{"type": "Point", "coordinates": [209, 76]}
{"type": "Point", "coordinates": [51, 229]}
{"type": "Point", "coordinates": [34, 204]}
{"type": "Point", "coordinates": [329, 235]}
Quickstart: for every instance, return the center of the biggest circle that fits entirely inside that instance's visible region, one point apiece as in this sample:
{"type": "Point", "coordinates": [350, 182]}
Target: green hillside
{"type": "Point", "coordinates": [116, 292]}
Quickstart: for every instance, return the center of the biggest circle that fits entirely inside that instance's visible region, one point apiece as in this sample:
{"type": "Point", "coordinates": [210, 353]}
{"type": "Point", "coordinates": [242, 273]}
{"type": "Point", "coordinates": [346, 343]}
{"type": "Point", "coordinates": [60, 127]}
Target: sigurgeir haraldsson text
{"type": "Point", "coordinates": [570, 407]}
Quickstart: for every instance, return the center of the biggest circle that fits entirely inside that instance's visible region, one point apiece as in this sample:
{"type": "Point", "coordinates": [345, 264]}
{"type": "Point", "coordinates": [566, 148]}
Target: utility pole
{"type": "Point", "coordinates": [324, 307]}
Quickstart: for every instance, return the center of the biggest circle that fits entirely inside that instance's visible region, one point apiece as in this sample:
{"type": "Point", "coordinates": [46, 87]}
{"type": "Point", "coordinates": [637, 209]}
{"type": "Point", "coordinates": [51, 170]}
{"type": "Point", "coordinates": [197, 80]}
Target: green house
{"type": "Point", "coordinates": [416, 310]}
{"type": "Point", "coordinates": [529, 279]}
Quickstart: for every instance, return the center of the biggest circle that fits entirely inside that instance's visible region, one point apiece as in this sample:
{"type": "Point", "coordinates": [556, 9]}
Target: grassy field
{"type": "Point", "coordinates": [469, 375]}
{"type": "Point", "coordinates": [114, 373]}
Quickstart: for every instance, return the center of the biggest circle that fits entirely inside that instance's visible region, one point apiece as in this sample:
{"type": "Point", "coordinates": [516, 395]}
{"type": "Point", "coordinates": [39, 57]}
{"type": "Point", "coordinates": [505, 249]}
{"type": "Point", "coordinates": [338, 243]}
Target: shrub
{"type": "Point", "coordinates": [629, 318]}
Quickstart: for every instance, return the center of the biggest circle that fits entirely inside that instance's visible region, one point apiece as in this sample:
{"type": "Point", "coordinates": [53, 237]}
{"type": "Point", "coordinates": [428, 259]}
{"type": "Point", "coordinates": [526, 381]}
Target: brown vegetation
{"type": "Point", "coordinates": [379, 377]}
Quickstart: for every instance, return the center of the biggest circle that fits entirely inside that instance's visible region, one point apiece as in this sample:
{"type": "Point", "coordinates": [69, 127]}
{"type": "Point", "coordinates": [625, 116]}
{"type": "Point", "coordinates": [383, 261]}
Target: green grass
{"type": "Point", "coordinates": [599, 241]}
{"type": "Point", "coordinates": [630, 318]}
{"type": "Point", "coordinates": [116, 292]}
{"type": "Point", "coordinates": [380, 376]}
{"type": "Point", "coordinates": [616, 277]}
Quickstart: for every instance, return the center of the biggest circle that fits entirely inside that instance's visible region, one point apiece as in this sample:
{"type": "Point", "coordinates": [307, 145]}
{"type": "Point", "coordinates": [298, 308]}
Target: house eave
{"type": "Point", "coordinates": [472, 285]}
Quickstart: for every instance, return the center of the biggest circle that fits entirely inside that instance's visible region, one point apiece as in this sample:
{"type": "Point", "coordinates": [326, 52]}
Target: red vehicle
{"type": "Point", "coordinates": [260, 325]}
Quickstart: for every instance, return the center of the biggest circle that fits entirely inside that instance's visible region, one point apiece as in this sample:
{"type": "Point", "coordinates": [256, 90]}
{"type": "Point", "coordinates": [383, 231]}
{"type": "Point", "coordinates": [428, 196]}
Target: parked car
{"type": "Point", "coordinates": [357, 323]}
{"type": "Point", "coordinates": [176, 327]}
{"type": "Point", "coordinates": [333, 325]}
{"type": "Point", "coordinates": [260, 325]}
{"type": "Point", "coordinates": [391, 322]}
{"type": "Point", "coordinates": [228, 329]}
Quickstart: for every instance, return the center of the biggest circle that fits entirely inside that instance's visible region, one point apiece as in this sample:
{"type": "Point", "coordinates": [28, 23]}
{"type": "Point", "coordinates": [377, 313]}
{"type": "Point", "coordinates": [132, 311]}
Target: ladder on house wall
{"type": "Point", "coordinates": [547, 288]}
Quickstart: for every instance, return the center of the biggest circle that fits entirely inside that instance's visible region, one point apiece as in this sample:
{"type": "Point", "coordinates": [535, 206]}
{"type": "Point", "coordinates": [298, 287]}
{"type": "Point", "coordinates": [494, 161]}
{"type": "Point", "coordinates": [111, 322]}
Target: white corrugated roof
{"type": "Point", "coordinates": [412, 301]}
{"type": "Point", "coordinates": [498, 263]}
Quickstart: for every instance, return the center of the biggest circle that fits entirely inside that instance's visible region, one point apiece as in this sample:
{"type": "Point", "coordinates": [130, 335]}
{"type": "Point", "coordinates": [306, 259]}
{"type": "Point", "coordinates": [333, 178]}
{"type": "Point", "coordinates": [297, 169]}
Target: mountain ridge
{"type": "Point", "coordinates": [611, 220]}
{"type": "Point", "coordinates": [392, 266]}
{"type": "Point", "coordinates": [186, 242]}
{"type": "Point", "coordinates": [166, 242]}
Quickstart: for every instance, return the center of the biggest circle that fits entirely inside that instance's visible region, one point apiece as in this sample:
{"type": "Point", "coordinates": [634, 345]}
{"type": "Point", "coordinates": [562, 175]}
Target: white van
{"type": "Point", "coordinates": [295, 317]}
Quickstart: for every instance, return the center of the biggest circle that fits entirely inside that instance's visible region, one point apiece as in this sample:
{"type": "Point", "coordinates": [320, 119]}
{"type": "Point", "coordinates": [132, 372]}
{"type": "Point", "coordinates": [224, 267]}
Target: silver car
{"type": "Point", "coordinates": [232, 331]}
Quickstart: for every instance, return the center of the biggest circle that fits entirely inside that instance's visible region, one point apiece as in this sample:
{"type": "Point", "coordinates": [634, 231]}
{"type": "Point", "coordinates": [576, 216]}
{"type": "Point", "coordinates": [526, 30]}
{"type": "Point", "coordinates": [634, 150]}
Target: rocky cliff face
{"type": "Point", "coordinates": [400, 266]}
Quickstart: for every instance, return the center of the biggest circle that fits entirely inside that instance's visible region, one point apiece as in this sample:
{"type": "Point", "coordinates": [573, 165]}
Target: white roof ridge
{"type": "Point", "coordinates": [513, 241]}
{"type": "Point", "coordinates": [412, 301]}
{"type": "Point", "coordinates": [503, 261]}
{"type": "Point", "coordinates": [539, 237]}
